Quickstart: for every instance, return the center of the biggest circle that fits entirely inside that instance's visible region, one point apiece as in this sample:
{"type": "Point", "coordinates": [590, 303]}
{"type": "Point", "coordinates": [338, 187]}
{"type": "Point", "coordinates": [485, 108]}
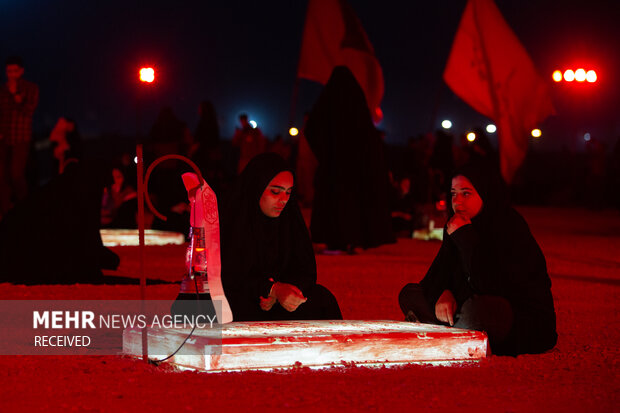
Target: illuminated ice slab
{"type": "Point", "coordinates": [129, 237]}
{"type": "Point", "coordinates": [315, 344]}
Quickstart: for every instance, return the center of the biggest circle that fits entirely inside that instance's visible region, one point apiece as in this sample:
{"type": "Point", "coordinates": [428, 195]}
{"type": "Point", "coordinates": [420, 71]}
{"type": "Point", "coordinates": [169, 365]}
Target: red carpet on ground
{"type": "Point", "coordinates": [583, 257]}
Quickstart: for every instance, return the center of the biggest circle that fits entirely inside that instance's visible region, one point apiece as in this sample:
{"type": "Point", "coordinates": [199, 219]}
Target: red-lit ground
{"type": "Point", "coordinates": [580, 374]}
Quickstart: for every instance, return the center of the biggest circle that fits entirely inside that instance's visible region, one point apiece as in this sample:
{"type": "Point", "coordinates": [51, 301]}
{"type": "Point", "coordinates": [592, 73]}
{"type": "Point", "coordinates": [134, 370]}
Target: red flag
{"type": "Point", "coordinates": [334, 36]}
{"type": "Point", "coordinates": [490, 70]}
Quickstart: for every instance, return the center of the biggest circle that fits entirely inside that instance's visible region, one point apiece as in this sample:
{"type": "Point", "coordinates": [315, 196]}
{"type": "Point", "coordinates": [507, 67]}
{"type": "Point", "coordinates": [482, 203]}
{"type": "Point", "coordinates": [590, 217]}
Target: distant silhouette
{"type": "Point", "coordinates": [18, 100]}
{"type": "Point", "coordinates": [120, 202]}
{"type": "Point", "coordinates": [207, 133]}
{"type": "Point", "coordinates": [305, 169]}
{"type": "Point", "coordinates": [249, 140]}
{"type": "Point", "coordinates": [416, 159]}
{"type": "Point", "coordinates": [281, 147]}
{"type": "Point", "coordinates": [403, 207]}
{"type": "Point", "coordinates": [441, 165]}
{"type": "Point", "coordinates": [169, 135]}
{"type": "Point", "coordinates": [206, 151]}
{"type": "Point", "coordinates": [67, 143]}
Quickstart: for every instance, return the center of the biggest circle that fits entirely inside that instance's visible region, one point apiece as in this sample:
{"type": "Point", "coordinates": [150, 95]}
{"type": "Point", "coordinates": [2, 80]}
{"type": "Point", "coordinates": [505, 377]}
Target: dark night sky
{"type": "Point", "coordinates": [243, 56]}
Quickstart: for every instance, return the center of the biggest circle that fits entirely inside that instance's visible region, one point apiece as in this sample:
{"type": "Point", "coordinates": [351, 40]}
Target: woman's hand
{"type": "Point", "coordinates": [456, 222]}
{"type": "Point", "coordinates": [445, 307]}
{"type": "Point", "coordinates": [289, 296]}
{"type": "Point", "coordinates": [267, 303]}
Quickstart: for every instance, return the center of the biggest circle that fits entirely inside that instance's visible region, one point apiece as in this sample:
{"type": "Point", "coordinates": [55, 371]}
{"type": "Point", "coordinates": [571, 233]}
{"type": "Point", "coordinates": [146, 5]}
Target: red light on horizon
{"type": "Point", "coordinates": [147, 74]}
{"type": "Point", "coordinates": [580, 75]}
{"type": "Point", "coordinates": [569, 75]}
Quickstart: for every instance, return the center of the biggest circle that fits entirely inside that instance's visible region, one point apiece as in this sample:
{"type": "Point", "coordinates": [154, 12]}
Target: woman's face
{"type": "Point", "coordinates": [118, 177]}
{"type": "Point", "coordinates": [465, 198]}
{"type": "Point", "coordinates": [277, 194]}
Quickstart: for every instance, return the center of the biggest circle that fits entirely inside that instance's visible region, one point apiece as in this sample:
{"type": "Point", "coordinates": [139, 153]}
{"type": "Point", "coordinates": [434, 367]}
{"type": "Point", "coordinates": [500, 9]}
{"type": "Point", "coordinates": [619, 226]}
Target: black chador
{"type": "Point", "coordinates": [52, 237]}
{"type": "Point", "coordinates": [259, 251]}
{"type": "Point", "coordinates": [351, 203]}
{"type": "Point", "coordinates": [495, 271]}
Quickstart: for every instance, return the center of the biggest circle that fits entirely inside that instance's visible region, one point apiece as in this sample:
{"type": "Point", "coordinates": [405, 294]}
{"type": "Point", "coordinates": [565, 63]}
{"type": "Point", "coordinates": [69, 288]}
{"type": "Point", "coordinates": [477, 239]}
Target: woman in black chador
{"type": "Point", "coordinates": [268, 265]}
{"type": "Point", "coordinates": [53, 237]}
{"type": "Point", "coordinates": [351, 205]}
{"type": "Point", "coordinates": [489, 274]}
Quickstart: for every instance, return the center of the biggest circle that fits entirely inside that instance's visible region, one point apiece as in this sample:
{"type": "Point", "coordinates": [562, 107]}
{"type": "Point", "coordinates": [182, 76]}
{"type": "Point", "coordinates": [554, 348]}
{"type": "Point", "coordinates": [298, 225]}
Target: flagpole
{"type": "Point", "coordinates": [487, 64]}
{"type": "Point", "coordinates": [493, 94]}
{"type": "Point", "coordinates": [291, 117]}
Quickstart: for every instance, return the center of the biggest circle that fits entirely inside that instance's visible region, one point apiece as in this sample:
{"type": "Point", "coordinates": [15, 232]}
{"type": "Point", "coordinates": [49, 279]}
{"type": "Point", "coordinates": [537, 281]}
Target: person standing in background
{"type": "Point", "coordinates": [18, 100]}
{"type": "Point", "coordinates": [206, 151]}
{"type": "Point", "coordinates": [66, 142]}
{"type": "Point", "coordinates": [352, 186]}
{"type": "Point", "coordinates": [249, 140]}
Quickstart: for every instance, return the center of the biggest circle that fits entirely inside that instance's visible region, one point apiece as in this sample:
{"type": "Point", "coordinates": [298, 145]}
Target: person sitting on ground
{"type": "Point", "coordinates": [119, 205]}
{"type": "Point", "coordinates": [268, 264]}
{"type": "Point", "coordinates": [489, 274]}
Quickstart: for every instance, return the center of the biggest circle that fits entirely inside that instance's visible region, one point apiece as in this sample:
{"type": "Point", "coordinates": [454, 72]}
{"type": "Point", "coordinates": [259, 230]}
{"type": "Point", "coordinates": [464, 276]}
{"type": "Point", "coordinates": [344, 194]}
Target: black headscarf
{"type": "Point", "coordinates": [257, 250]}
{"type": "Point", "coordinates": [351, 203]}
{"type": "Point", "coordinates": [488, 182]}
{"type": "Point", "coordinates": [496, 255]}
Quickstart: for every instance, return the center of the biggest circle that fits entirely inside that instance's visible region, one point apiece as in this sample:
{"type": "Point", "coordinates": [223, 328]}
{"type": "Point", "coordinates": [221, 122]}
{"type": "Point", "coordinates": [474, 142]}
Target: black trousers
{"type": "Point", "coordinates": [488, 313]}
{"type": "Point", "coordinates": [321, 305]}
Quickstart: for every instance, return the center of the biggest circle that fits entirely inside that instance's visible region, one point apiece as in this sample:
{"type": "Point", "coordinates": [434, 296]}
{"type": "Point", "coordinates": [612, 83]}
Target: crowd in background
{"type": "Point", "coordinates": [417, 171]}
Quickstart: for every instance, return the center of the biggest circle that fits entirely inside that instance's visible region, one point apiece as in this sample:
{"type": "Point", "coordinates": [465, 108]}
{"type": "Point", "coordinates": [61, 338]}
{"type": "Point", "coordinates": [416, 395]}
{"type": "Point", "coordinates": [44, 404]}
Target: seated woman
{"type": "Point", "coordinates": [268, 265]}
{"type": "Point", "coordinates": [489, 274]}
{"type": "Point", "coordinates": [119, 205]}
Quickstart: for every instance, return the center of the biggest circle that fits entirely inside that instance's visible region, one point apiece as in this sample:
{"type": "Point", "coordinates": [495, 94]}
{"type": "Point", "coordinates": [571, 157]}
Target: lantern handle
{"type": "Point", "coordinates": [150, 170]}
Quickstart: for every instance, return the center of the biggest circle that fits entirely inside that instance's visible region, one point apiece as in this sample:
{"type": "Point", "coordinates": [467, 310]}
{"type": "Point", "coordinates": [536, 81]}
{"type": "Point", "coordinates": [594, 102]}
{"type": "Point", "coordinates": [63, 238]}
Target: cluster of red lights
{"type": "Point", "coordinates": [579, 75]}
